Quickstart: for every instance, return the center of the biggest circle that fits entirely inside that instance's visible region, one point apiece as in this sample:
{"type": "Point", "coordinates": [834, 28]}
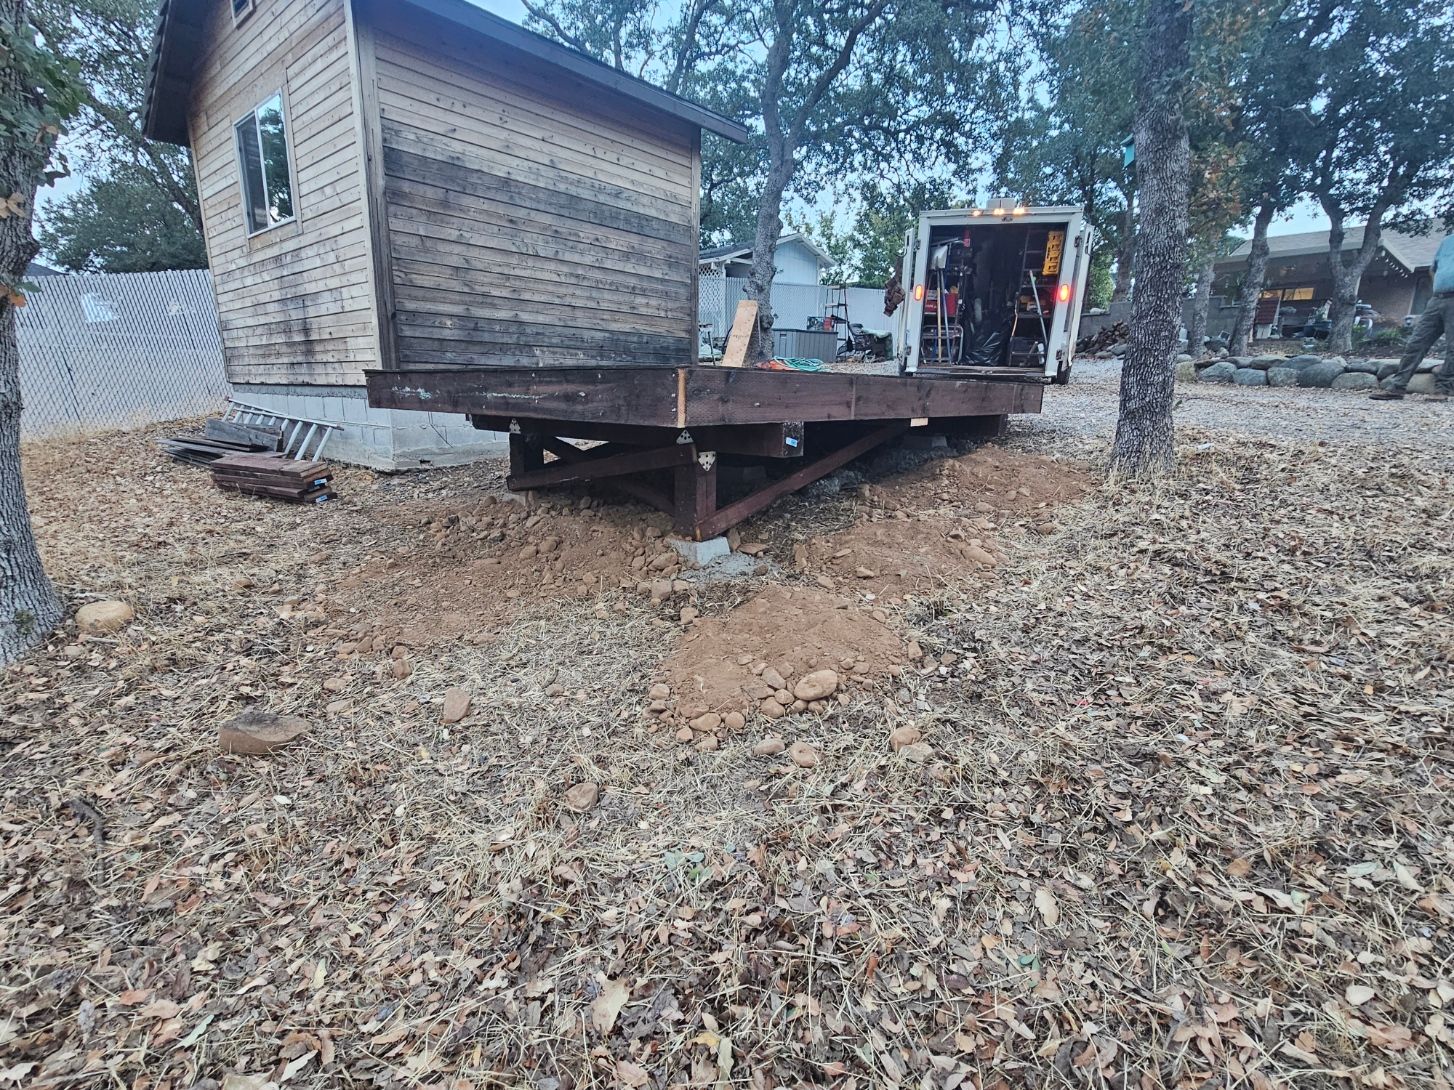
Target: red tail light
{"type": "Point", "coordinates": [918, 293]}
{"type": "Point", "coordinates": [1063, 293]}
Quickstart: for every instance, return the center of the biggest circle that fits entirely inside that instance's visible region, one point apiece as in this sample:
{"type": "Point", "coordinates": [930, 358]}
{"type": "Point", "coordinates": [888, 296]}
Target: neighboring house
{"type": "Point", "coordinates": [1398, 281]}
{"type": "Point", "coordinates": [35, 268]}
{"type": "Point", "coordinates": [414, 184]}
{"type": "Point", "coordinates": [799, 260]}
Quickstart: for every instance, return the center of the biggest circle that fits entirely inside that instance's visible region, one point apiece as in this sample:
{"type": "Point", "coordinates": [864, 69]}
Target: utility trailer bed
{"type": "Point", "coordinates": [682, 439]}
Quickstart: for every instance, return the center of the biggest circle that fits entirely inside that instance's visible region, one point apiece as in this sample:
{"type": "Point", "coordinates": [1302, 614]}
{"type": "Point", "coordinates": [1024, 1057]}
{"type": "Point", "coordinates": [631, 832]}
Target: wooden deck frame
{"type": "Point", "coordinates": [665, 429]}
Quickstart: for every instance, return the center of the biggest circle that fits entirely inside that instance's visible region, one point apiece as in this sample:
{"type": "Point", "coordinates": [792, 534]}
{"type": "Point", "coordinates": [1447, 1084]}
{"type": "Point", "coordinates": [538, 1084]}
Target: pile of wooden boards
{"type": "Point", "coordinates": [220, 438]}
{"type": "Point", "coordinates": [274, 475]}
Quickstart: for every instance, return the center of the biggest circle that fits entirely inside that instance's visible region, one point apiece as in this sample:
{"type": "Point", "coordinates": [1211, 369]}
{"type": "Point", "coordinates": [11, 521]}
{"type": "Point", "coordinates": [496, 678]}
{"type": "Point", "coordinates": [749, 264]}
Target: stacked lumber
{"type": "Point", "coordinates": [274, 475]}
{"type": "Point", "coordinates": [220, 438]}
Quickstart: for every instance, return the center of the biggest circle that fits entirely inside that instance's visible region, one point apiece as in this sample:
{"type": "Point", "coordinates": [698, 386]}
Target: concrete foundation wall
{"type": "Point", "coordinates": [388, 439]}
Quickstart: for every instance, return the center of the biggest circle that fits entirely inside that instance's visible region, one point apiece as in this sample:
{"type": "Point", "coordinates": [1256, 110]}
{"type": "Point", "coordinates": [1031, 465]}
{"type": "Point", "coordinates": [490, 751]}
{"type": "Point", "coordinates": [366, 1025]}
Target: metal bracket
{"type": "Point", "coordinates": [707, 459]}
{"type": "Point", "coordinates": [684, 438]}
{"type": "Point", "coordinates": [514, 427]}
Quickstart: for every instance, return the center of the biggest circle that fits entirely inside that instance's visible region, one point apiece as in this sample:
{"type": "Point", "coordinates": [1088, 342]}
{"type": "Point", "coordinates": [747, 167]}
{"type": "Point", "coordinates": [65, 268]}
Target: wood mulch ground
{"type": "Point", "coordinates": [1167, 801]}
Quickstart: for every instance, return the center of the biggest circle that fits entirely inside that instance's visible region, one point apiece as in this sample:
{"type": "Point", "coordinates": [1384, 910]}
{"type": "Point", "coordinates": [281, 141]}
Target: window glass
{"type": "Point", "coordinates": [262, 150]}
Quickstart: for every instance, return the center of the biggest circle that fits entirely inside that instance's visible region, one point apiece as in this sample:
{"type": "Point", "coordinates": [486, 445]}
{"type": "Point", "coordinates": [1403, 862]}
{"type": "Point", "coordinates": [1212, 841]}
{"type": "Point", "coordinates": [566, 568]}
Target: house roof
{"type": "Point", "coordinates": [735, 250]}
{"type": "Point", "coordinates": [1413, 252]}
{"type": "Point", "coordinates": [35, 268]}
{"type": "Point", "coordinates": [181, 26]}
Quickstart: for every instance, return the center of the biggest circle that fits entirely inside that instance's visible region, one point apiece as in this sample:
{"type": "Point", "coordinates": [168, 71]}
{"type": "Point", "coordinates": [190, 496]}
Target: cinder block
{"type": "Point", "coordinates": [701, 553]}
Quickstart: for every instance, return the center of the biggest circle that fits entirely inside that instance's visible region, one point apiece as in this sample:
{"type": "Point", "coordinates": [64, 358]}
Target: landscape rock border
{"type": "Point", "coordinates": [1311, 371]}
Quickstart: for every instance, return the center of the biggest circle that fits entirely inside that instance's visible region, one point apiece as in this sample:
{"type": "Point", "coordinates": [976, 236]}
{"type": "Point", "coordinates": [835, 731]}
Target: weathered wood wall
{"type": "Point", "coordinates": [295, 303]}
{"type": "Point", "coordinates": [529, 220]}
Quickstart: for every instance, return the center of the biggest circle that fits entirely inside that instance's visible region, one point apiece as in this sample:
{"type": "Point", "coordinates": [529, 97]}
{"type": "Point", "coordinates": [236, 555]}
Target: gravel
{"type": "Point", "coordinates": [1087, 407]}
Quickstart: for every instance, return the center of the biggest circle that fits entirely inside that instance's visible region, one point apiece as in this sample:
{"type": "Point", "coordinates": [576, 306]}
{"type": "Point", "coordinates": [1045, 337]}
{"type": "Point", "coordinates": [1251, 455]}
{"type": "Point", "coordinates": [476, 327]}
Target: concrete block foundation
{"type": "Point", "coordinates": [386, 439]}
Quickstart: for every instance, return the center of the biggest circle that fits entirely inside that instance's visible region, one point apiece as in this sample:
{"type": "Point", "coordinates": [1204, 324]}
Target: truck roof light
{"type": "Point", "coordinates": [1020, 210]}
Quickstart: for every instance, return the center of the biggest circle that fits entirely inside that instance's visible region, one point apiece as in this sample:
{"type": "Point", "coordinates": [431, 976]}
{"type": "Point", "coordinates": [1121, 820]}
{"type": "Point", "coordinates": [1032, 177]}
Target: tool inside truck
{"type": "Point", "coordinates": [994, 293]}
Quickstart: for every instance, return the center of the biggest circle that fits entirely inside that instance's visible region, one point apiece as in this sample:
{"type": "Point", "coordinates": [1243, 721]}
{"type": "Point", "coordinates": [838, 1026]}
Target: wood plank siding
{"type": "Point", "coordinates": [295, 303]}
{"type": "Point", "coordinates": [531, 220]}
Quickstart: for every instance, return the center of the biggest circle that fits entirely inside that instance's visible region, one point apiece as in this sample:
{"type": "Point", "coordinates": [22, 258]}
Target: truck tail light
{"type": "Point", "coordinates": [1062, 294]}
{"type": "Point", "coordinates": [918, 293]}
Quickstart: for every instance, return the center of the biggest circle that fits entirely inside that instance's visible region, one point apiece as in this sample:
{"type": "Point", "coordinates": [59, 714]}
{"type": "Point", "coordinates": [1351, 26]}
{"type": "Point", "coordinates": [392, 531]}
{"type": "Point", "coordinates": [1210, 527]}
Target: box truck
{"type": "Point", "coordinates": [994, 292]}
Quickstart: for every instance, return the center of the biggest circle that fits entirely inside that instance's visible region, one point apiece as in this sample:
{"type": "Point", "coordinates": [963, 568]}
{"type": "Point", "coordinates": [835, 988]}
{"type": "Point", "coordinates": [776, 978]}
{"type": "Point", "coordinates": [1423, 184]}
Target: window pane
{"type": "Point", "coordinates": [254, 189]}
{"type": "Point", "coordinates": [275, 159]}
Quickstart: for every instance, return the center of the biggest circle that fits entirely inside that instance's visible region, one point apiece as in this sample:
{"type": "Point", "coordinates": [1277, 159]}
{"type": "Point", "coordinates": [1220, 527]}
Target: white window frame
{"type": "Point", "coordinates": [240, 14]}
{"type": "Point", "coordinates": [251, 115]}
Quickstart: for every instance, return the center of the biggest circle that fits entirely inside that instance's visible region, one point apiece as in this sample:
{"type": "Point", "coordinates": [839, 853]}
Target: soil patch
{"type": "Point", "coordinates": [733, 663]}
{"type": "Point", "coordinates": [478, 563]}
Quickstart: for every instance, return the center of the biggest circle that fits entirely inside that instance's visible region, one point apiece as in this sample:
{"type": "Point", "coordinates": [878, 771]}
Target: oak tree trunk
{"type": "Point", "coordinates": [1243, 330]}
{"type": "Point", "coordinates": [764, 245]}
{"type": "Point", "coordinates": [29, 606]}
{"type": "Point", "coordinates": [1201, 303]}
{"type": "Point", "coordinates": [1143, 443]}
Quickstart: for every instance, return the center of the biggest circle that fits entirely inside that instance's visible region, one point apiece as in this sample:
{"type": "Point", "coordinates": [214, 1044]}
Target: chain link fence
{"type": "Point", "coordinates": [118, 350]}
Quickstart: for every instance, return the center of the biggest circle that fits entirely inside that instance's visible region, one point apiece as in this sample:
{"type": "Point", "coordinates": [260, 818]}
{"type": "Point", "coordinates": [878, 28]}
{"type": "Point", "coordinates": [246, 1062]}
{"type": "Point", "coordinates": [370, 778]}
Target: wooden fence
{"type": "Point", "coordinates": [118, 350]}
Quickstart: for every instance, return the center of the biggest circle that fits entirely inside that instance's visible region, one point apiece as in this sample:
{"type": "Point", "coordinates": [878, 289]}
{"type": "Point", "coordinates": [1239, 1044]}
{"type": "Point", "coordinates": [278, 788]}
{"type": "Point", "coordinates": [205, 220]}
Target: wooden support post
{"type": "Point", "coordinates": [695, 495]}
{"type": "Point", "coordinates": [526, 453]}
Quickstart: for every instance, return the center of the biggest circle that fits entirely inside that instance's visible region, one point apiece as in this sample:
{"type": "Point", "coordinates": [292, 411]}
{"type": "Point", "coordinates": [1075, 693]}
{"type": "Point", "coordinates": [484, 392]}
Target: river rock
{"type": "Point", "coordinates": [104, 618]}
{"type": "Point", "coordinates": [1249, 376]}
{"type": "Point", "coordinates": [1218, 372]}
{"type": "Point", "coordinates": [1263, 363]}
{"type": "Point", "coordinates": [1305, 360]}
{"type": "Point", "coordinates": [1320, 375]}
{"type": "Point", "coordinates": [1282, 376]}
{"type": "Point", "coordinates": [1363, 367]}
{"type": "Point", "coordinates": [1240, 361]}
{"type": "Point", "coordinates": [1386, 368]}
{"type": "Point", "coordinates": [1355, 380]}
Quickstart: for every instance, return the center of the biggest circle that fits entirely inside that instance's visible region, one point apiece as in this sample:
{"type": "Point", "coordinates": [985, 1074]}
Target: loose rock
{"type": "Point", "coordinates": [903, 736]}
{"type": "Point", "coordinates": [456, 704]}
{"type": "Point", "coordinates": [256, 732]}
{"type": "Point", "coordinates": [817, 685]}
{"type": "Point", "coordinates": [769, 746]}
{"type": "Point", "coordinates": [803, 755]}
{"type": "Point", "coordinates": [103, 618]}
{"type": "Point", "coordinates": [582, 798]}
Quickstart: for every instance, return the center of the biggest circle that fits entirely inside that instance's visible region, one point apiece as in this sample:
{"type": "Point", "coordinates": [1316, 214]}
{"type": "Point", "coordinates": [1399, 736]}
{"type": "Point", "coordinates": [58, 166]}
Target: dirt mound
{"type": "Point", "coordinates": [733, 663]}
{"type": "Point", "coordinates": [988, 479]}
{"type": "Point", "coordinates": [476, 563]}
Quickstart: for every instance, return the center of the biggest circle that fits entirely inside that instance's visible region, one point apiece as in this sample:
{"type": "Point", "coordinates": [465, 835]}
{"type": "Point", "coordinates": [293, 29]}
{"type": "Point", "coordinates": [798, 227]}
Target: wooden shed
{"type": "Point", "coordinates": [410, 183]}
{"type": "Point", "coordinates": [475, 223]}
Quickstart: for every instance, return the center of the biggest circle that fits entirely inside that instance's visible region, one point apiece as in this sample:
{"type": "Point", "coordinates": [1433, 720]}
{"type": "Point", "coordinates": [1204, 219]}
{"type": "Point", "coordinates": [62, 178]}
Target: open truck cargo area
{"type": "Point", "coordinates": [994, 292]}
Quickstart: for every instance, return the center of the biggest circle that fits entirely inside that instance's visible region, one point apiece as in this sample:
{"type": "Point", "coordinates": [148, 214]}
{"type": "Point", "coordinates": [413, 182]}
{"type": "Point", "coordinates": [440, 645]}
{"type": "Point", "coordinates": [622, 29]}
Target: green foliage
{"type": "Point", "coordinates": [1099, 284]}
{"type": "Point", "coordinates": [39, 92]}
{"type": "Point", "coordinates": [108, 40]}
{"type": "Point", "coordinates": [122, 223]}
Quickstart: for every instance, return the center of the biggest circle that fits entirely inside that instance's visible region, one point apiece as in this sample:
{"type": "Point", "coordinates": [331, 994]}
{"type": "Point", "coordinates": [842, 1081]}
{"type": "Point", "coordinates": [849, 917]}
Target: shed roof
{"type": "Point", "coordinates": [181, 25]}
{"type": "Point", "coordinates": [1413, 252]}
{"type": "Point", "coordinates": [744, 249]}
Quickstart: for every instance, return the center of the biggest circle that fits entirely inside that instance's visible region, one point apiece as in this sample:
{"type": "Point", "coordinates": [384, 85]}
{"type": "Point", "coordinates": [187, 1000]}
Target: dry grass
{"type": "Point", "coordinates": [1187, 820]}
